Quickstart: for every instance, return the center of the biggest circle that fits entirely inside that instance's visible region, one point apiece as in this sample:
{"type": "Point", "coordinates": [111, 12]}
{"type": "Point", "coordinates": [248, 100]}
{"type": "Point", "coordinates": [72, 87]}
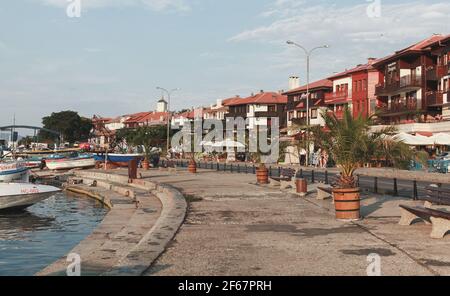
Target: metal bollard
{"type": "Point", "coordinates": [415, 192]}
{"type": "Point", "coordinates": [313, 177]}
{"type": "Point", "coordinates": [375, 185]}
{"type": "Point", "coordinates": [326, 178]}
{"type": "Point", "coordinates": [395, 187]}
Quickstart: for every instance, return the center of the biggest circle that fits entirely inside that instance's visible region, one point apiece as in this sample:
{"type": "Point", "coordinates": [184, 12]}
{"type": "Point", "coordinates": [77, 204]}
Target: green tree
{"type": "Point", "coordinates": [69, 124]}
{"type": "Point", "coordinates": [147, 136]}
{"type": "Point", "coordinates": [352, 144]}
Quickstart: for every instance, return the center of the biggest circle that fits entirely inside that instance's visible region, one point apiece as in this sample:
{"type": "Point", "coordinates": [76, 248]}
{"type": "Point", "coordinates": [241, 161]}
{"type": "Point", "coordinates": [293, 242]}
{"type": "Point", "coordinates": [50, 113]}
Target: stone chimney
{"type": "Point", "coordinates": [294, 82]}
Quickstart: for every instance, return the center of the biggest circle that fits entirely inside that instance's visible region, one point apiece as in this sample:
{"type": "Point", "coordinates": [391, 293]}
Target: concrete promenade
{"type": "Point", "coordinates": [235, 227]}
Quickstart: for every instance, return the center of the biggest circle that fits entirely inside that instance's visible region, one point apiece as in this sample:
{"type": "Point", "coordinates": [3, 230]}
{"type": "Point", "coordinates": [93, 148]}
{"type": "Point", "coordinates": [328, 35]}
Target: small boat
{"type": "Point", "coordinates": [13, 171]}
{"type": "Point", "coordinates": [79, 162]}
{"type": "Point", "coordinates": [23, 195]}
{"type": "Point", "coordinates": [119, 159]}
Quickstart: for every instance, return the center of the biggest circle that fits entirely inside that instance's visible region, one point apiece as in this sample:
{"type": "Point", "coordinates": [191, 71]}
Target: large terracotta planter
{"type": "Point", "coordinates": [145, 165]}
{"type": "Point", "coordinates": [192, 168]}
{"type": "Point", "coordinates": [347, 204]}
{"type": "Point", "coordinates": [301, 186]}
{"type": "Point", "coordinates": [262, 175]}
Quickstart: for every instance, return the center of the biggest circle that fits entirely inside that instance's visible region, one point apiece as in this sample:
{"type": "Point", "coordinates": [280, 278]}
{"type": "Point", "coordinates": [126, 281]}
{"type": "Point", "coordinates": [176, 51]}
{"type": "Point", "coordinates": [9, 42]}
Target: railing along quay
{"type": "Point", "coordinates": [378, 185]}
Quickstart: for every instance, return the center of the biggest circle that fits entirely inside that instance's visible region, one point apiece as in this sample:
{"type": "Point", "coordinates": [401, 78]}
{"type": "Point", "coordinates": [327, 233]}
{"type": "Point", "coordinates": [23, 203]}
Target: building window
{"type": "Point", "coordinates": [272, 108]}
{"type": "Point", "coordinates": [314, 113]}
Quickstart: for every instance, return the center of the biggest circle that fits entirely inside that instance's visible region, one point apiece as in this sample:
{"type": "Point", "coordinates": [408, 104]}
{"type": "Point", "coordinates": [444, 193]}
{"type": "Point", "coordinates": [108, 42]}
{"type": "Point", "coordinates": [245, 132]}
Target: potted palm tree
{"type": "Point", "coordinates": [351, 144]}
{"type": "Point", "coordinates": [148, 137]}
{"type": "Point", "coordinates": [262, 172]}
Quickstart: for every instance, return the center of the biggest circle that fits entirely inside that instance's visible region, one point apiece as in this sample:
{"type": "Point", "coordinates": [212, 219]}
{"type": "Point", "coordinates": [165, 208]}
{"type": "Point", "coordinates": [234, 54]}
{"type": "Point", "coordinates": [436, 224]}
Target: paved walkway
{"type": "Point", "coordinates": [235, 227]}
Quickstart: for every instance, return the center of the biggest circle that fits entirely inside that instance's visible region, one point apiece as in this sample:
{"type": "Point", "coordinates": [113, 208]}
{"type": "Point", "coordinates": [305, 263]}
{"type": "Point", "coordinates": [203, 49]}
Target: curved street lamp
{"type": "Point", "coordinates": [308, 54]}
{"type": "Point", "coordinates": [169, 117]}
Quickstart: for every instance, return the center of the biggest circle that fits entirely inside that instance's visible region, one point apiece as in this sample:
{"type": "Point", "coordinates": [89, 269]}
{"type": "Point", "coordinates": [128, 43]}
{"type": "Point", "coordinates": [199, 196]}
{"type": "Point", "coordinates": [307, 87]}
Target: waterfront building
{"type": "Point", "coordinates": [407, 92]}
{"type": "Point", "coordinates": [259, 109]}
{"type": "Point", "coordinates": [355, 89]}
{"type": "Point", "coordinates": [296, 104]}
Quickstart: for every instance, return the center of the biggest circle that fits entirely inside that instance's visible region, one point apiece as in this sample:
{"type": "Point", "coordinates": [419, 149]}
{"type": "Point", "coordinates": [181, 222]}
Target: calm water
{"type": "Point", "coordinates": [36, 237]}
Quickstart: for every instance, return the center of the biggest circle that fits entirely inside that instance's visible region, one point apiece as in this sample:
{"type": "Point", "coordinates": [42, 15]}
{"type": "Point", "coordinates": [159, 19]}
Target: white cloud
{"type": "Point", "coordinates": [156, 5]}
{"type": "Point", "coordinates": [352, 34]}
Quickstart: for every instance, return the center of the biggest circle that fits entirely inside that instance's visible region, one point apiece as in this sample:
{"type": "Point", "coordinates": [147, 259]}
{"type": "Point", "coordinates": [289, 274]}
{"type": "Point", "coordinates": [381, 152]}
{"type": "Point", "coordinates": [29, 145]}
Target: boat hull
{"type": "Point", "coordinates": [19, 196]}
{"type": "Point", "coordinates": [118, 159]}
{"type": "Point", "coordinates": [15, 171]}
{"type": "Point", "coordinates": [68, 164]}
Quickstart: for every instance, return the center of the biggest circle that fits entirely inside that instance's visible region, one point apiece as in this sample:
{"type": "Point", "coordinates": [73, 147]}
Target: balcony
{"type": "Point", "coordinates": [405, 83]}
{"type": "Point", "coordinates": [339, 114]}
{"type": "Point", "coordinates": [435, 98]}
{"type": "Point", "coordinates": [398, 109]}
{"type": "Point", "coordinates": [337, 97]}
{"type": "Point", "coordinates": [299, 121]}
{"type": "Point", "coordinates": [435, 73]}
{"type": "Point", "coordinates": [267, 114]}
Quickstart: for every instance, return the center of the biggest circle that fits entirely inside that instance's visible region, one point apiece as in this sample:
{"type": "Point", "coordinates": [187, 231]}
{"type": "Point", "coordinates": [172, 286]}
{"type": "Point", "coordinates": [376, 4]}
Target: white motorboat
{"type": "Point", "coordinates": [70, 163]}
{"type": "Point", "coordinates": [23, 195]}
{"type": "Point", "coordinates": [13, 171]}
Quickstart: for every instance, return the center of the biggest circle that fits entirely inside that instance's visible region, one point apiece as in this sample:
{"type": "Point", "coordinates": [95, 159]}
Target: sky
{"type": "Point", "coordinates": [110, 60]}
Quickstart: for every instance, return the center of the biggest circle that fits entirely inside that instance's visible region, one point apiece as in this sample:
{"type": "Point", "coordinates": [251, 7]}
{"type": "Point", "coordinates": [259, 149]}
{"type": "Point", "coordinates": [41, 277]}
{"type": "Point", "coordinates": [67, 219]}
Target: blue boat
{"type": "Point", "coordinates": [117, 158]}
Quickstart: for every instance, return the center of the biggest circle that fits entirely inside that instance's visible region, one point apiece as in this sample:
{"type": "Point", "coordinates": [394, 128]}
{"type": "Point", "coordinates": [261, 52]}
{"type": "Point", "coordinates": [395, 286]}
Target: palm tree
{"type": "Point", "coordinates": [351, 144]}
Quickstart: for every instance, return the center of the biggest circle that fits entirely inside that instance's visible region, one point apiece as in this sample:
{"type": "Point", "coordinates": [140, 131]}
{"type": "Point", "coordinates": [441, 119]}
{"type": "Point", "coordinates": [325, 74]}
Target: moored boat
{"type": "Point", "coordinates": [13, 171]}
{"type": "Point", "coordinates": [118, 159]}
{"type": "Point", "coordinates": [83, 161]}
{"type": "Point", "coordinates": [23, 195]}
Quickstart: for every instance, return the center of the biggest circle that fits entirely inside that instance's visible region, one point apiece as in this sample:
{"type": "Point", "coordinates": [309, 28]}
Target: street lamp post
{"type": "Point", "coordinates": [169, 117]}
{"type": "Point", "coordinates": [308, 56]}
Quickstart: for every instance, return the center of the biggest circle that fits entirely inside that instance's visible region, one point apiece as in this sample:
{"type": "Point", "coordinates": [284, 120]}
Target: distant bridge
{"type": "Point", "coordinates": [35, 128]}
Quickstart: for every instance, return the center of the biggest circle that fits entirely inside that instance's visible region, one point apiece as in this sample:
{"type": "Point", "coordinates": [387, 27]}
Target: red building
{"type": "Point", "coordinates": [438, 76]}
{"type": "Point", "coordinates": [408, 91]}
{"type": "Point", "coordinates": [354, 88]}
{"type": "Point", "coordinates": [147, 119]}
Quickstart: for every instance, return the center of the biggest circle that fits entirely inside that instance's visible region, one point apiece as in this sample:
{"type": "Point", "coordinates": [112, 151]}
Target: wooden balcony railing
{"type": "Point", "coordinates": [299, 121]}
{"type": "Point", "coordinates": [409, 81]}
{"type": "Point", "coordinates": [339, 113]}
{"type": "Point", "coordinates": [398, 107]}
{"type": "Point", "coordinates": [337, 96]}
{"type": "Point", "coordinates": [435, 73]}
{"type": "Point", "coordinates": [435, 98]}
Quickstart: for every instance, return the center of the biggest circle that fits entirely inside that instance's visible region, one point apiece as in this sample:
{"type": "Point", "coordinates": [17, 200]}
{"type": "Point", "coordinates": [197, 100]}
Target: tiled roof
{"type": "Point", "coordinates": [261, 98]}
{"type": "Point", "coordinates": [227, 102]}
{"type": "Point", "coordinates": [415, 48]}
{"type": "Point", "coordinates": [359, 68]}
{"type": "Point", "coordinates": [324, 83]}
{"type": "Point", "coordinates": [144, 117]}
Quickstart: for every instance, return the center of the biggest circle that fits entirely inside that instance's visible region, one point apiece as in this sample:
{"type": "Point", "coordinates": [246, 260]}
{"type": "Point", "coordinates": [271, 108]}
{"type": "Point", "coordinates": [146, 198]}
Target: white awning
{"type": "Point", "coordinates": [414, 140]}
{"type": "Point", "coordinates": [441, 139]}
